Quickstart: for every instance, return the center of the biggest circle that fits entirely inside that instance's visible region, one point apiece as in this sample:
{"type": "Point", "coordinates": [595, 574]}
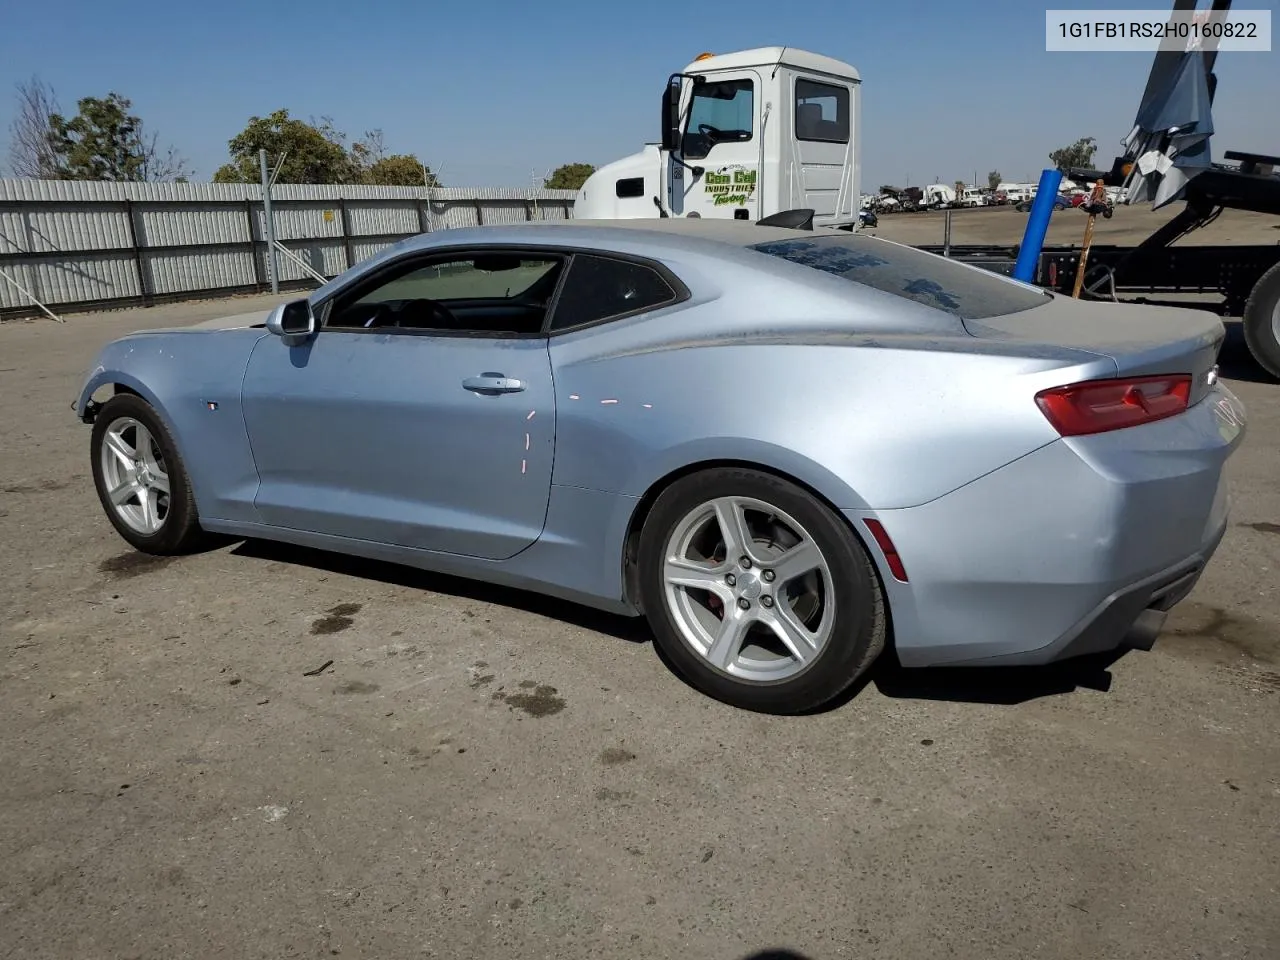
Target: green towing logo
{"type": "Point", "coordinates": [730, 186]}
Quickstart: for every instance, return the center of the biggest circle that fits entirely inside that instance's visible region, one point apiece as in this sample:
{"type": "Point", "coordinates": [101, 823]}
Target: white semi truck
{"type": "Point", "coordinates": [745, 135]}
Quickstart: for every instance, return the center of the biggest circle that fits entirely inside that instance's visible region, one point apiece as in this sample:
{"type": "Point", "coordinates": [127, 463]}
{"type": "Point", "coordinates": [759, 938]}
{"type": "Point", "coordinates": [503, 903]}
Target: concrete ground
{"type": "Point", "coordinates": [481, 773]}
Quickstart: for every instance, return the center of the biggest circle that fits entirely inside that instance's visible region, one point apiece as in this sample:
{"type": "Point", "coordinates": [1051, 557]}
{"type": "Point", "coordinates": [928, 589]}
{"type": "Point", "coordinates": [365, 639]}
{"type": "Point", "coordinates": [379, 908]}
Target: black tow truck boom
{"type": "Point", "coordinates": [1245, 277]}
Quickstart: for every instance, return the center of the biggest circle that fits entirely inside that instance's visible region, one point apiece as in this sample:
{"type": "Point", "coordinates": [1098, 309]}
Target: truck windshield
{"type": "Point", "coordinates": [721, 111]}
{"type": "Point", "coordinates": [966, 292]}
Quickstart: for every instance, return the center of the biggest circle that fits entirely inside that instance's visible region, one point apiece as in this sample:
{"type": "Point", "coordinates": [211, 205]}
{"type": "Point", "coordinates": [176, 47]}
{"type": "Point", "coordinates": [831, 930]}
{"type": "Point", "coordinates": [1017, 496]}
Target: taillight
{"type": "Point", "coordinates": [1096, 406]}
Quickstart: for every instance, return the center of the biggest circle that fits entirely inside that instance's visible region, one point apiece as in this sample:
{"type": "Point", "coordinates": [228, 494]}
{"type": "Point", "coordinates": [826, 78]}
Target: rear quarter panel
{"type": "Point", "coordinates": [869, 421]}
{"type": "Point", "coordinates": [180, 374]}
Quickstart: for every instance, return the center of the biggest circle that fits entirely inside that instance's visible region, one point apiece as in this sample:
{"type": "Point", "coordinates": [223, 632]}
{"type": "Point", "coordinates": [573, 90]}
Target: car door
{"type": "Point", "coordinates": [421, 414]}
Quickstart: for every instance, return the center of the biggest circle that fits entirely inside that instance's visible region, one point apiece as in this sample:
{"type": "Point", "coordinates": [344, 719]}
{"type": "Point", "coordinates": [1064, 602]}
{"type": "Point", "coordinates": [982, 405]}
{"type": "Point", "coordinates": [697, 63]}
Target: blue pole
{"type": "Point", "coordinates": [1037, 226]}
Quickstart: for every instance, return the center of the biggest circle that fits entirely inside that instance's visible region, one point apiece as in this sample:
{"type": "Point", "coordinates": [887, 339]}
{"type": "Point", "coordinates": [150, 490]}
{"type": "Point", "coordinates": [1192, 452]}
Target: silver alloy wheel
{"type": "Point", "coordinates": [749, 589]}
{"type": "Point", "coordinates": [134, 474]}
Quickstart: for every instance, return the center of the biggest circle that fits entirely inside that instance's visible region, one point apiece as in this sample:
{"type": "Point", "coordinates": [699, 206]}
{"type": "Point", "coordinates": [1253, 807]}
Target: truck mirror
{"type": "Point", "coordinates": [671, 114]}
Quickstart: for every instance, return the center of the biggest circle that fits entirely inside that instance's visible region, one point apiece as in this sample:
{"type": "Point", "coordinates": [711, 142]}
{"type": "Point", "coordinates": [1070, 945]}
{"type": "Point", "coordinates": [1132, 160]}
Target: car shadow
{"type": "Point", "coordinates": [1004, 686]}
{"type": "Point", "coordinates": [630, 629]}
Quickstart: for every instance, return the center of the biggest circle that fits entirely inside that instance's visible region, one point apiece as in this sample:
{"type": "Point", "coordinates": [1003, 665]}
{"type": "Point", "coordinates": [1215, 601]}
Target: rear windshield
{"type": "Point", "coordinates": [927, 278]}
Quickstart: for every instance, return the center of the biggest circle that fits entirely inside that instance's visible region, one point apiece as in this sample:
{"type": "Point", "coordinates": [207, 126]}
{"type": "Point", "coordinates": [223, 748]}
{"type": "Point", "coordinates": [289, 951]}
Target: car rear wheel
{"type": "Point", "coordinates": [759, 594]}
{"type": "Point", "coordinates": [141, 480]}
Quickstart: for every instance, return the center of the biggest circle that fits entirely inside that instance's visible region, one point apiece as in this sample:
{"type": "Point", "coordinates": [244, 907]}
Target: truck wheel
{"type": "Point", "coordinates": [1262, 321]}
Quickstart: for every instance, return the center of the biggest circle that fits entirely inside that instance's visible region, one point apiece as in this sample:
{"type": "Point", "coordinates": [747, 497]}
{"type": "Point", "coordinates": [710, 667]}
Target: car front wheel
{"type": "Point", "coordinates": [141, 480]}
{"type": "Point", "coordinates": [757, 593]}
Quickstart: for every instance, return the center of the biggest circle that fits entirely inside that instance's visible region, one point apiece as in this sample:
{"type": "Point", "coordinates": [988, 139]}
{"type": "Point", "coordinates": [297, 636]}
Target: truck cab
{"type": "Point", "coordinates": [744, 135]}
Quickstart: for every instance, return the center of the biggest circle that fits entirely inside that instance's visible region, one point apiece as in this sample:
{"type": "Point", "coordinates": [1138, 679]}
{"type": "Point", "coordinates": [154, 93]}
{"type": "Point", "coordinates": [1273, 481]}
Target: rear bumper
{"type": "Point", "coordinates": [1130, 618]}
{"type": "Point", "coordinates": [1080, 547]}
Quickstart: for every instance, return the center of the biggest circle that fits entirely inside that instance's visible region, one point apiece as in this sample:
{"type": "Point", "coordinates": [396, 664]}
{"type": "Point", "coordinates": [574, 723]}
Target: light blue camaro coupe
{"type": "Point", "coordinates": [785, 448]}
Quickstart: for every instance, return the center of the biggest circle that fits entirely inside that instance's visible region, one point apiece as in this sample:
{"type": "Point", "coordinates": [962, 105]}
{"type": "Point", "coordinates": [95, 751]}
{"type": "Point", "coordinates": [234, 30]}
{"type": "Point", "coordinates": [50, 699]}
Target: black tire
{"type": "Point", "coordinates": [1260, 321]}
{"type": "Point", "coordinates": [1107, 212]}
{"type": "Point", "coordinates": [860, 617]}
{"type": "Point", "coordinates": [179, 531]}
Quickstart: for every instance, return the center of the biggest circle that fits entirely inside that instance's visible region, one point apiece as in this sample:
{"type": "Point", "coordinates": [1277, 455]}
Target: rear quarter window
{"type": "Point", "coordinates": [926, 278]}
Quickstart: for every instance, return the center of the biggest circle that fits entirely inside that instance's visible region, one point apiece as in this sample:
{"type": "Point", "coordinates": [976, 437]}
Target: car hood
{"type": "Point", "coordinates": [238, 321]}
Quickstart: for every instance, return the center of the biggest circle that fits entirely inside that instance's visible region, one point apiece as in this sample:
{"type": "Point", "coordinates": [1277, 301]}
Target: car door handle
{"type": "Point", "coordinates": [493, 383]}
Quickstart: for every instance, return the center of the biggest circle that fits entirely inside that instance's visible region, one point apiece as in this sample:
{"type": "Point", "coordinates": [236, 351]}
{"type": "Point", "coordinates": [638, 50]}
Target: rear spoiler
{"type": "Point", "coordinates": [801, 219]}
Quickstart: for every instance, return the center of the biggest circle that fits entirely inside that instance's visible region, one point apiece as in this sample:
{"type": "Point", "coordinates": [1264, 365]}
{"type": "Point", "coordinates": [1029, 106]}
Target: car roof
{"type": "Point", "coordinates": [741, 233]}
{"type": "Point", "coordinates": [658, 231]}
{"type": "Point", "coordinates": [661, 239]}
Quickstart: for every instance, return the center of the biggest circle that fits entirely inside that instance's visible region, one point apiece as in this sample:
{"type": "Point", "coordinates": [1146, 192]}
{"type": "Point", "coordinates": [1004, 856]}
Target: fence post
{"type": "Point", "coordinates": [422, 216]}
{"type": "Point", "coordinates": [346, 231]}
{"type": "Point", "coordinates": [137, 253]}
{"type": "Point", "coordinates": [270, 222]}
{"type": "Point", "coordinates": [258, 278]}
{"type": "Point", "coordinates": [479, 212]}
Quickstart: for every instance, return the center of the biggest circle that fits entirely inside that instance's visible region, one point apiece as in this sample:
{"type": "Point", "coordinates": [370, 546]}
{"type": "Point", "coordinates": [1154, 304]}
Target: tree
{"type": "Point", "coordinates": [569, 176]}
{"type": "Point", "coordinates": [994, 179]}
{"type": "Point", "coordinates": [316, 152]}
{"type": "Point", "coordinates": [312, 152]}
{"type": "Point", "coordinates": [399, 170]}
{"type": "Point", "coordinates": [1079, 154]}
{"type": "Point", "coordinates": [103, 141]}
{"type": "Point", "coordinates": [378, 168]}
{"type": "Point", "coordinates": [31, 151]}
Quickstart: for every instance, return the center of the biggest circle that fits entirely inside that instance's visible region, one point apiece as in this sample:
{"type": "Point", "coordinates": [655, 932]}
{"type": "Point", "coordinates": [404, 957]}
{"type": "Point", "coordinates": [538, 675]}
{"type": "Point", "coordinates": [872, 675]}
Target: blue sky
{"type": "Point", "coordinates": [490, 90]}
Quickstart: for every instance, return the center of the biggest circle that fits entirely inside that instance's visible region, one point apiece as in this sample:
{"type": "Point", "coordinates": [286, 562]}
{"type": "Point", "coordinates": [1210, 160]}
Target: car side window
{"type": "Point", "coordinates": [480, 294]}
{"type": "Point", "coordinates": [601, 288]}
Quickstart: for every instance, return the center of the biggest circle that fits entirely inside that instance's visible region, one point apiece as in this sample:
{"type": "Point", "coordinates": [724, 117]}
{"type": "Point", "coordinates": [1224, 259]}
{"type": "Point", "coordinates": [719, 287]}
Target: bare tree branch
{"type": "Point", "coordinates": [31, 149]}
{"type": "Point", "coordinates": [156, 166]}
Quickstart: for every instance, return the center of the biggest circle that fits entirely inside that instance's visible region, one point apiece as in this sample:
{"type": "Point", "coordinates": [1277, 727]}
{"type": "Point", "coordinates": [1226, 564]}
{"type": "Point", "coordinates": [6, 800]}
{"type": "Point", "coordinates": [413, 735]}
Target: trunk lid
{"type": "Point", "coordinates": [1139, 339]}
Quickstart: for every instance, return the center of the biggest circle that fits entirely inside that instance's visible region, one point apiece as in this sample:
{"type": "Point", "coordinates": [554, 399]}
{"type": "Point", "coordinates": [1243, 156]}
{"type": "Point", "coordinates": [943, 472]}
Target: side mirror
{"type": "Point", "coordinates": [292, 319]}
{"type": "Point", "coordinates": [671, 114]}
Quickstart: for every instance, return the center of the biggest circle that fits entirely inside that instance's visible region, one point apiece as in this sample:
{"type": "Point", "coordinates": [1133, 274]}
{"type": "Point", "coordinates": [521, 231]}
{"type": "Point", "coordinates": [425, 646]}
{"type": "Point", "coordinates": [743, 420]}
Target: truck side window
{"type": "Point", "coordinates": [722, 111]}
{"type": "Point", "coordinates": [822, 112]}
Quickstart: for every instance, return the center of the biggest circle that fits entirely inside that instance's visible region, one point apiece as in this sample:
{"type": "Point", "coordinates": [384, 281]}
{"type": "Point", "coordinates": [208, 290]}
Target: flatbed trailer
{"type": "Point", "coordinates": [1230, 272]}
{"type": "Point", "coordinates": [1245, 278]}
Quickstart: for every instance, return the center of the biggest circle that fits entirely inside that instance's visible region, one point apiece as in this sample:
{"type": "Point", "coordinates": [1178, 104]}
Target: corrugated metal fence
{"type": "Point", "coordinates": [88, 245]}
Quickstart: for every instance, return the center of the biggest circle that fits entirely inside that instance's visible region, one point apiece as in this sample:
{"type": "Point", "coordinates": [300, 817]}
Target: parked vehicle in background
{"type": "Point", "coordinates": [745, 135]}
{"type": "Point", "coordinates": [937, 195]}
{"type": "Point", "coordinates": [1060, 202]}
{"type": "Point", "coordinates": [525, 404]}
{"type": "Point", "coordinates": [974, 197]}
{"type": "Point", "coordinates": [867, 217]}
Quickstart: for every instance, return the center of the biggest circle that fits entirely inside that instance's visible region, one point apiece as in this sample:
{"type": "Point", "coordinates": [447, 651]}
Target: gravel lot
{"type": "Point", "coordinates": [481, 773]}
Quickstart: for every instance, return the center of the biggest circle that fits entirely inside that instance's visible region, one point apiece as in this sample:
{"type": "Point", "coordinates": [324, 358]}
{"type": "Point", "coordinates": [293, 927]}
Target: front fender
{"type": "Point", "coordinates": [193, 382]}
{"type": "Point", "coordinates": [102, 376]}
